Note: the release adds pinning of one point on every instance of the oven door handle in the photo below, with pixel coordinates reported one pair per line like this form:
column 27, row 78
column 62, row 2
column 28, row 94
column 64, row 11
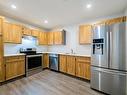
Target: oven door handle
column 34, row 55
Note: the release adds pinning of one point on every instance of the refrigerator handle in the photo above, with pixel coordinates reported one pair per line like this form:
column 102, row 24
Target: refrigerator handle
column 111, row 72
column 108, row 47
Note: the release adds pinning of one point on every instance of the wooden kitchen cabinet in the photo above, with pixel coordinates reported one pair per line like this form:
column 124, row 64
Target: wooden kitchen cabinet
column 45, row 62
column 2, row 66
column 7, row 32
column 1, row 25
column 35, row 33
column 63, row 63
column 16, row 33
column 12, row 33
column 26, row 31
column 85, row 34
column 83, row 67
column 14, row 66
column 71, row 65
column 42, row 38
column 59, row 37
column 50, row 38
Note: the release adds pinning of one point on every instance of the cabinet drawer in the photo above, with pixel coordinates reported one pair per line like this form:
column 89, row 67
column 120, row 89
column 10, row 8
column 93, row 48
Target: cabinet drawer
column 14, row 58
column 83, row 59
column 21, row 57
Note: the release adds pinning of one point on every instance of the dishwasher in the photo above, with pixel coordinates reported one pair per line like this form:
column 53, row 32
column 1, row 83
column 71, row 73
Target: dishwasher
column 54, row 62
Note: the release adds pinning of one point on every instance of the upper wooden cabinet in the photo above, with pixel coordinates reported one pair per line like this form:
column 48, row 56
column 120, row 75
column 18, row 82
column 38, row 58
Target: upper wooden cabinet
column 71, row 66
column 7, row 32
column 56, row 37
column 50, row 38
column 26, row 31
column 85, row 34
column 35, row 33
column 59, row 37
column 17, row 33
column 1, row 25
column 63, row 63
column 42, row 38
column 12, row 33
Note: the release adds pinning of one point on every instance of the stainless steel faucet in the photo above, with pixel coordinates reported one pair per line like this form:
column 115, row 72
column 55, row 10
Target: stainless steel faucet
column 72, row 51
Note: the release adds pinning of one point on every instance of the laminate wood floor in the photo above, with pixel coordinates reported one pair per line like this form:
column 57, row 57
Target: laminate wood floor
column 47, row 83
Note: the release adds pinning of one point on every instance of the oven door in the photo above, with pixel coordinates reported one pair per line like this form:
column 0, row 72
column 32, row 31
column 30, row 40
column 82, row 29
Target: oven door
column 33, row 61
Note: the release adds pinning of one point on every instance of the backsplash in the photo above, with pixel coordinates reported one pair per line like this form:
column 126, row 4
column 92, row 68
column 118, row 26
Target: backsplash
column 27, row 42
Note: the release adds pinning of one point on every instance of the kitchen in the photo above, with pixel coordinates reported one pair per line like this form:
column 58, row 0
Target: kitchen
column 41, row 54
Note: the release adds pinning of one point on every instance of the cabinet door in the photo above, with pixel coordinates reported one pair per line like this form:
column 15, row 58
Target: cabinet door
column 11, row 70
column 27, row 31
column 45, row 62
column 87, row 70
column 21, row 68
column 17, row 33
column 71, row 65
column 7, row 32
column 63, row 63
column 42, row 38
column 50, row 38
column 35, row 33
column 85, row 34
column 80, row 69
column 1, row 24
column 2, row 66
column 58, row 38
column 83, row 67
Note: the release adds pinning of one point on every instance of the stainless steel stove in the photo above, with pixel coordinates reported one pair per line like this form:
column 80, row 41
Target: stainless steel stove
column 33, row 61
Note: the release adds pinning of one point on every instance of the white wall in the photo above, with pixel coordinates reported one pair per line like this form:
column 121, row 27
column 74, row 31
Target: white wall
column 72, row 38
column 14, row 48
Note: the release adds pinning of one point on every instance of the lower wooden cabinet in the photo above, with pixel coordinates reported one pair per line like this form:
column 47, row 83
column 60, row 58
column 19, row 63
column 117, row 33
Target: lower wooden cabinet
column 71, row 65
column 63, row 63
column 83, row 67
column 76, row 66
column 45, row 63
column 15, row 66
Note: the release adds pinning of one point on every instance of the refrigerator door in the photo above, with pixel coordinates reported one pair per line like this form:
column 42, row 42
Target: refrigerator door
column 118, row 46
column 100, row 46
column 109, row 81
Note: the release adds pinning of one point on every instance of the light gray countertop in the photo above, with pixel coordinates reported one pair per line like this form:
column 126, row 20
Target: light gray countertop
column 75, row 54
column 18, row 54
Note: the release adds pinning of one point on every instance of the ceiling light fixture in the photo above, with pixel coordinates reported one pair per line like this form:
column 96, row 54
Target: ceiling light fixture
column 46, row 21
column 13, row 6
column 88, row 6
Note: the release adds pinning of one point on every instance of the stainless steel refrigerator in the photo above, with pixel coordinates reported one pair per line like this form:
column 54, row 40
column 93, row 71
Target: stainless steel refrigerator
column 109, row 66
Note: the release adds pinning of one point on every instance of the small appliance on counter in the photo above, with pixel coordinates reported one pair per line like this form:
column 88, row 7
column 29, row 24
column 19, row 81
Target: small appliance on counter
column 33, row 61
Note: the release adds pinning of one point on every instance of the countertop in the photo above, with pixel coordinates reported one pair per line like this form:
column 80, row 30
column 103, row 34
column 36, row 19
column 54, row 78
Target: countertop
column 75, row 54
column 19, row 54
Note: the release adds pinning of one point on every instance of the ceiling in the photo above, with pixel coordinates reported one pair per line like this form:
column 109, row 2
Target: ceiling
column 59, row 12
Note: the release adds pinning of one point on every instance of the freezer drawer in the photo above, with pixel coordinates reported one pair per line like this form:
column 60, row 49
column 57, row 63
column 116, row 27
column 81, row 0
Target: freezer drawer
column 109, row 81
